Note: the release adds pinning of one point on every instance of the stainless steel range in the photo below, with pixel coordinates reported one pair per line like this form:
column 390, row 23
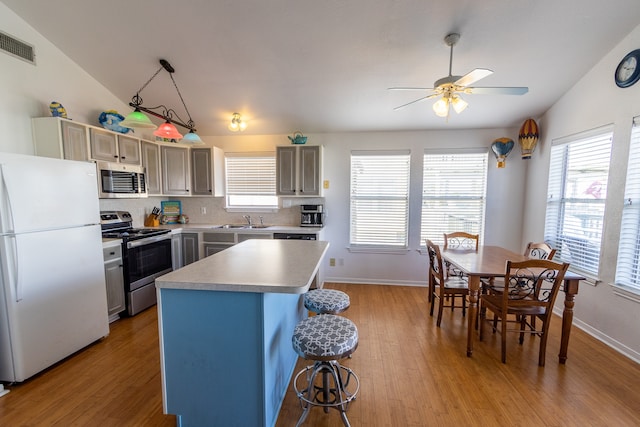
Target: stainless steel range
column 146, row 255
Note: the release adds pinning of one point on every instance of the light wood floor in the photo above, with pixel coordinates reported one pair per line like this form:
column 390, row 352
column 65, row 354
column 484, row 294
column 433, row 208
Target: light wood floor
column 412, row 374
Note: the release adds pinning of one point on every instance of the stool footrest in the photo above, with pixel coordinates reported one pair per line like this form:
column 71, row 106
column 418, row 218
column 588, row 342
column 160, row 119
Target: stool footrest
column 338, row 385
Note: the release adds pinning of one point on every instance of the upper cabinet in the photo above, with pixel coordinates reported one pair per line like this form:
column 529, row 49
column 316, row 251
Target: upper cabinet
column 175, row 171
column 60, row 138
column 111, row 147
column 207, row 172
column 152, row 166
column 299, row 170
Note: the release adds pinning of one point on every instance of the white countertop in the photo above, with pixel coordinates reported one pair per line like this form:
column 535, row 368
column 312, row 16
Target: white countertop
column 177, row 228
column 263, row 266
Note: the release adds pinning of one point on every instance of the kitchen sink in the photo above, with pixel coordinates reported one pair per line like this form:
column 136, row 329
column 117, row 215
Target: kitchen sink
column 243, row 226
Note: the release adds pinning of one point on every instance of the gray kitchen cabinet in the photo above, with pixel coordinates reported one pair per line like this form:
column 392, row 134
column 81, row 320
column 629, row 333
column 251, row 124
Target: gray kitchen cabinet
column 60, row 138
column 217, row 242
column 207, row 172
column 128, row 150
column 299, row 170
column 114, row 280
column 111, row 147
column 189, row 248
column 176, row 252
column 175, row 171
column 152, row 165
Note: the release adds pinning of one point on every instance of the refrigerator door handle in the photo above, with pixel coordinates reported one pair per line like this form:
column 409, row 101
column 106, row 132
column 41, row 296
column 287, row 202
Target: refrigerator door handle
column 12, row 241
column 7, row 210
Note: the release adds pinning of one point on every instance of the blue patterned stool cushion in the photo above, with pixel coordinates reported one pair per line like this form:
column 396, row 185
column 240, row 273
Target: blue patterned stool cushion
column 325, row 337
column 324, row 301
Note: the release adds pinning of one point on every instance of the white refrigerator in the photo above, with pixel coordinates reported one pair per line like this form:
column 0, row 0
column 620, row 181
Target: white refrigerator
column 52, row 287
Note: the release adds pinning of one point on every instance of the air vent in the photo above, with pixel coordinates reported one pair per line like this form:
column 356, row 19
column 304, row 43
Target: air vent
column 17, row 48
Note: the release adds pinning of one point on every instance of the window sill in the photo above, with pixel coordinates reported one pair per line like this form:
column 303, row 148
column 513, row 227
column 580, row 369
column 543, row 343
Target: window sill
column 378, row 250
column 626, row 292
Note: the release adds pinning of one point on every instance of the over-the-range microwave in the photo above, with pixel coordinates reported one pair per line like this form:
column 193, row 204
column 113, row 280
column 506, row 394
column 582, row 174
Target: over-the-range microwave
column 119, row 180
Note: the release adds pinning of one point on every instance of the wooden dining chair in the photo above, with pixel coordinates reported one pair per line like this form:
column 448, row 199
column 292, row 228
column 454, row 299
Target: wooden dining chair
column 529, row 290
column 461, row 240
column 458, row 240
column 539, row 251
column 442, row 287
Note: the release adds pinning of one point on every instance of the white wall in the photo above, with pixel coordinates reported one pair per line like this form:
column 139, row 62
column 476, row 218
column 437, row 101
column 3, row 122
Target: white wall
column 504, row 200
column 594, row 101
column 27, row 90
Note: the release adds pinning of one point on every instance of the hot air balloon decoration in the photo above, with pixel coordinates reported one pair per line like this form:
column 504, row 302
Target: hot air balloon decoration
column 501, row 148
column 528, row 138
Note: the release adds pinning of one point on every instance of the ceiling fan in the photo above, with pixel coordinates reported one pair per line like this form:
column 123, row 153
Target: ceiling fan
column 451, row 87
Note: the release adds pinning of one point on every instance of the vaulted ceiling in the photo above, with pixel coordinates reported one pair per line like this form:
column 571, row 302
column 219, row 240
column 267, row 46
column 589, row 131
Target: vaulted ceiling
column 325, row 66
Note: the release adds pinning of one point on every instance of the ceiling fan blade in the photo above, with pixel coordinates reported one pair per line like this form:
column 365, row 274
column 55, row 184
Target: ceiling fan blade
column 497, row 90
column 417, row 100
column 473, row 76
column 410, row 88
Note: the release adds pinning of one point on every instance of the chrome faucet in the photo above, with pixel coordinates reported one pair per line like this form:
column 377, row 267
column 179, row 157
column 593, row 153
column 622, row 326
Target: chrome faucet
column 248, row 218
column 261, row 220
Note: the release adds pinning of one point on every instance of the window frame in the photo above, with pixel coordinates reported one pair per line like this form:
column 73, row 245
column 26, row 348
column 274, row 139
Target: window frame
column 269, row 174
column 589, row 243
column 436, row 233
column 384, row 244
column 627, row 274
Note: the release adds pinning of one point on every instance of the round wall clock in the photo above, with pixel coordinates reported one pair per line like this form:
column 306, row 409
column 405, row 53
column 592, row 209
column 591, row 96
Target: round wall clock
column 628, row 70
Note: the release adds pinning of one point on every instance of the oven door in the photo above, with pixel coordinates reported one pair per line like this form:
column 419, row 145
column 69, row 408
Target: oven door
column 145, row 260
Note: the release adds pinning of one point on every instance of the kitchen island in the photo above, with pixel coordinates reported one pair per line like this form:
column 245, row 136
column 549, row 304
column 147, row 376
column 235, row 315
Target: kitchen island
column 225, row 325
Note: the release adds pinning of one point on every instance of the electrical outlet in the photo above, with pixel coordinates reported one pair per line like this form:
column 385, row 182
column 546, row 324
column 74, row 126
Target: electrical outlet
column 203, row 210
column 332, row 262
column 325, row 184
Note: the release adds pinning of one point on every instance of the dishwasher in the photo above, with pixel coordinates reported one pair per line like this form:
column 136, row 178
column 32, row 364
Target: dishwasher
column 295, row 236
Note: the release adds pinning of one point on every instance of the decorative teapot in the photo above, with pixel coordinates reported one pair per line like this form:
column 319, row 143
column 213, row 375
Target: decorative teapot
column 298, row 138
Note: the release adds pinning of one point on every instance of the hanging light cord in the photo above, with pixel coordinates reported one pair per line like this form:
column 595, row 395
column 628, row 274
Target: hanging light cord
column 168, row 113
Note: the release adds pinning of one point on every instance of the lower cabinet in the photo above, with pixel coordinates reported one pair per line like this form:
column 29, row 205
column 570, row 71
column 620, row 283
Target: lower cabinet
column 114, row 279
column 190, row 251
column 176, row 252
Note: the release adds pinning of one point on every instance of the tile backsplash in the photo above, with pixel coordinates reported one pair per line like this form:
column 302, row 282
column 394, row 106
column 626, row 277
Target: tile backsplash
column 214, row 207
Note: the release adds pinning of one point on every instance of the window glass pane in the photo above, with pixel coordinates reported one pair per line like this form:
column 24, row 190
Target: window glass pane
column 453, row 194
column 251, row 179
column 628, row 268
column 379, row 199
column 576, row 197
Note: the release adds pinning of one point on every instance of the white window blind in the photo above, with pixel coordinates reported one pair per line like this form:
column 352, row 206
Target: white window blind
column 251, row 179
column 577, row 191
column 628, row 269
column 380, row 198
column 453, row 194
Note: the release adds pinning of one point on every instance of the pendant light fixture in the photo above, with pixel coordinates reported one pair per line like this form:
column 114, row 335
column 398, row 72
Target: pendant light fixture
column 137, row 119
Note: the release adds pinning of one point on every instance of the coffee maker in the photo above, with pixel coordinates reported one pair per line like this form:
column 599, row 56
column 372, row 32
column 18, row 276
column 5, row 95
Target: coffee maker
column 311, row 215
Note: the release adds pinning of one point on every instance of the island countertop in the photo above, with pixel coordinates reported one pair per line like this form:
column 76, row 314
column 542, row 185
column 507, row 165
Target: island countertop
column 265, row 266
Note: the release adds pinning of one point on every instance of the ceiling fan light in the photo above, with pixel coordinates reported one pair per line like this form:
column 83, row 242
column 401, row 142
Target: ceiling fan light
column 459, row 104
column 192, row 138
column 441, row 107
column 168, row 131
column 137, row 119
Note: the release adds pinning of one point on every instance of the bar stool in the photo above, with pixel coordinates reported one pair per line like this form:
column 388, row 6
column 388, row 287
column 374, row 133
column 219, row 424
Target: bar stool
column 326, row 301
column 325, row 340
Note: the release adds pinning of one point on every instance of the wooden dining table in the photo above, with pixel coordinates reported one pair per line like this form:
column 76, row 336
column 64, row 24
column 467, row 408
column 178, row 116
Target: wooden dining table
column 490, row 261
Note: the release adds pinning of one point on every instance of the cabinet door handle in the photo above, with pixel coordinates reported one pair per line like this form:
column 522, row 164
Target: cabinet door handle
column 115, row 157
column 123, row 157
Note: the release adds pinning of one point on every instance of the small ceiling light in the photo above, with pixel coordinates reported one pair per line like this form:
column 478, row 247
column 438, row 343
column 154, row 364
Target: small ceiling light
column 137, row 119
column 441, row 107
column 458, row 103
column 236, row 123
